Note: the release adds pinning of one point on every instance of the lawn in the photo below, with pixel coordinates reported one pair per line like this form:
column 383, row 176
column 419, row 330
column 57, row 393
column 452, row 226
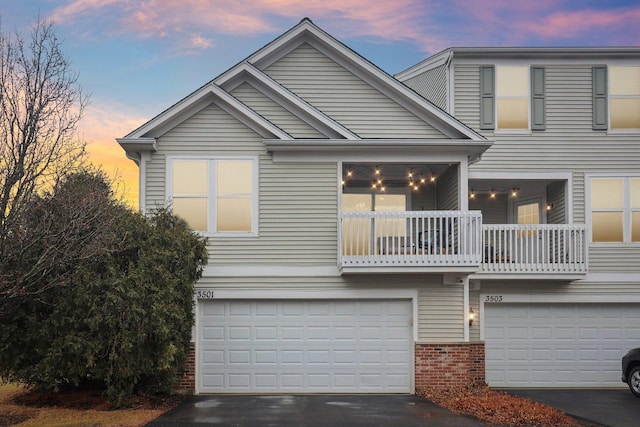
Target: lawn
column 21, row 408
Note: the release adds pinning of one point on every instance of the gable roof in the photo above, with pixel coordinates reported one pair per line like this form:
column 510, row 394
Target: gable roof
column 250, row 70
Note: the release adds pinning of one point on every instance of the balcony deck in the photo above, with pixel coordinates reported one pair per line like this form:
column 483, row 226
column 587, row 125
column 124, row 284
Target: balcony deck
column 458, row 242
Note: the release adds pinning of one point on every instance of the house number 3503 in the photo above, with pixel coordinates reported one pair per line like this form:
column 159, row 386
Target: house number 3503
column 493, row 298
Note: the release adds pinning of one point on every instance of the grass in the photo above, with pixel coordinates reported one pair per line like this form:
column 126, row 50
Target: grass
column 90, row 409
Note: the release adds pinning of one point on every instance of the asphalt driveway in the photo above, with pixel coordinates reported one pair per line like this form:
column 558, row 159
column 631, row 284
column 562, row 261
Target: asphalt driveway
column 615, row 408
column 312, row 411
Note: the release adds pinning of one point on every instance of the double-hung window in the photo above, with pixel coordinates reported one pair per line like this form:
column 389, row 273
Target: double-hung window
column 215, row 195
column 615, row 209
column 512, row 98
column 624, row 97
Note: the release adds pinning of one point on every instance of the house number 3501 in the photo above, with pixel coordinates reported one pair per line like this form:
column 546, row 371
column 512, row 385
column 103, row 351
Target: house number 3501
column 493, row 298
column 204, row 294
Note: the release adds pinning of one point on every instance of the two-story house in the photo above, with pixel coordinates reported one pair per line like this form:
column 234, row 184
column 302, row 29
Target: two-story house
column 369, row 235
column 559, row 192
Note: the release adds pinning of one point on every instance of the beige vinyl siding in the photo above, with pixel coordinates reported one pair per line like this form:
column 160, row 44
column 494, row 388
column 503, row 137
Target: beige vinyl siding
column 211, row 131
column 447, row 189
column 274, row 112
column 346, row 98
column 474, row 304
column 440, row 312
column 297, row 203
column 493, row 211
column 556, row 196
column 298, row 218
column 440, row 308
column 432, row 84
column 558, row 288
column 568, row 144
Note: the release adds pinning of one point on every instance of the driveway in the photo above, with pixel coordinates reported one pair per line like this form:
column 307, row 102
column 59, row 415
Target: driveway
column 615, row 408
column 311, row 411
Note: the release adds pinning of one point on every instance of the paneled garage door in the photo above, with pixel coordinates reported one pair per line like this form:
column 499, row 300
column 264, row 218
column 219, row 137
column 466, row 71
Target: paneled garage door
column 268, row 346
column 558, row 345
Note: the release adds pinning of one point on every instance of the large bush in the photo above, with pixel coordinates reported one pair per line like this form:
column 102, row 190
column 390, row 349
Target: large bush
column 114, row 308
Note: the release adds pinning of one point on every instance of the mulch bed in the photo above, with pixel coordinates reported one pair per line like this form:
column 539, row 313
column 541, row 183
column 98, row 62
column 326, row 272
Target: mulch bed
column 91, row 398
column 499, row 408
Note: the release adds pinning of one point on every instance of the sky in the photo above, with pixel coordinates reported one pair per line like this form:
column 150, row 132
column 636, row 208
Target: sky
column 138, row 57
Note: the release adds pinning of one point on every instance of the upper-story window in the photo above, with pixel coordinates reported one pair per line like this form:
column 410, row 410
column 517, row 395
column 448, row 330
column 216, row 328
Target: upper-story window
column 624, row 97
column 615, row 209
column 512, row 97
column 216, row 195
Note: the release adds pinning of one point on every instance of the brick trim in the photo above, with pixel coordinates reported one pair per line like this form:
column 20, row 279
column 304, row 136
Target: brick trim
column 188, row 379
column 448, row 365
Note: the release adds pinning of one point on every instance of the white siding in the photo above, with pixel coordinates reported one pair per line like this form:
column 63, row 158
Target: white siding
column 346, row 98
column 274, row 112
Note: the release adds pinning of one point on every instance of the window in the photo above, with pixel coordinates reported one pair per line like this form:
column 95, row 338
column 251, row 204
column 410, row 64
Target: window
column 615, row 209
column 516, row 95
column 512, row 97
column 624, row 97
column 215, row 195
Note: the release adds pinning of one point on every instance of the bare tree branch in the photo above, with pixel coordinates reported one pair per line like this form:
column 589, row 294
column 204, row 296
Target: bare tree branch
column 41, row 103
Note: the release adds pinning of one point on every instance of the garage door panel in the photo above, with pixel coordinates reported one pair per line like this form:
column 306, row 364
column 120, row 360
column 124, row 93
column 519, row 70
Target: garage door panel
column 557, row 345
column 305, row 346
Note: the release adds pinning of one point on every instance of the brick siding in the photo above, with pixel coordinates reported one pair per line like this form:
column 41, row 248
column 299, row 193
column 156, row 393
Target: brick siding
column 448, row 365
column 188, row 380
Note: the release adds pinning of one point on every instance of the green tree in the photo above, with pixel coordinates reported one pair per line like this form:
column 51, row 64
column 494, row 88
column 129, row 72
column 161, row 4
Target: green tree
column 124, row 317
column 41, row 104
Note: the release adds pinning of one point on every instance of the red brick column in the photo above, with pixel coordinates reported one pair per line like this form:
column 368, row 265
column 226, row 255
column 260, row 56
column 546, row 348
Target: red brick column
column 188, row 380
column 448, row 365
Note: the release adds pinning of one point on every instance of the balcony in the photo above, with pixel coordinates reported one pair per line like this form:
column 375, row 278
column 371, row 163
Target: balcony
column 444, row 241
column 535, row 249
column 458, row 242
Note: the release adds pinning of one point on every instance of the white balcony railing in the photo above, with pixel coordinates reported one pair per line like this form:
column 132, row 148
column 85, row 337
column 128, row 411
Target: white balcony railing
column 540, row 248
column 458, row 240
column 415, row 238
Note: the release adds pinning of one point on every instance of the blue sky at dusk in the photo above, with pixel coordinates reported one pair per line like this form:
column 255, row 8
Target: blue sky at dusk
column 138, row 57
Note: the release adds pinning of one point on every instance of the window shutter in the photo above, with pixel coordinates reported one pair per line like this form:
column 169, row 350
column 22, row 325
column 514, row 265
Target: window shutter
column 487, row 97
column 599, row 97
column 538, row 120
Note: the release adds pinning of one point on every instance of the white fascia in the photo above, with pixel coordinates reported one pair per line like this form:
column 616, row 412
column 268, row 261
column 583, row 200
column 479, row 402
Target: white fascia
column 315, row 116
column 364, row 69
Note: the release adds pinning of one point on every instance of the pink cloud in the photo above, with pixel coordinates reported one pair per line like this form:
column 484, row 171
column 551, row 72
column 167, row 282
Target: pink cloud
column 563, row 25
column 190, row 19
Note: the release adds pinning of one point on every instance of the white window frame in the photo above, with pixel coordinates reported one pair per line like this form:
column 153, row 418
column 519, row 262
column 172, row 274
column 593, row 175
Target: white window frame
column 498, row 130
column 626, row 208
column 212, row 194
column 610, row 97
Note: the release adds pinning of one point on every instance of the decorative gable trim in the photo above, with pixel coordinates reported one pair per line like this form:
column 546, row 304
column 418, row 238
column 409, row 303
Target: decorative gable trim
column 200, row 99
column 246, row 72
column 307, row 32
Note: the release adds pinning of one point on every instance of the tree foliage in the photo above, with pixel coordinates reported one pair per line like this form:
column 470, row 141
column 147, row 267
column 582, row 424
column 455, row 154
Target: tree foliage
column 114, row 289
column 41, row 104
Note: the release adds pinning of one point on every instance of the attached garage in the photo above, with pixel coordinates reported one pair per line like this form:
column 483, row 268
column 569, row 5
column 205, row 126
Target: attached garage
column 558, row 345
column 296, row 346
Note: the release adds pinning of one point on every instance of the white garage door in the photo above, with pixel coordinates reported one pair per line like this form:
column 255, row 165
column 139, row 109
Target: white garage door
column 558, row 345
column 305, row 346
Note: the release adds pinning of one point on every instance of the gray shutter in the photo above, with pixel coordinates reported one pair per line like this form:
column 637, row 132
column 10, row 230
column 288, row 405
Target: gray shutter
column 538, row 120
column 487, row 97
column 599, row 97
